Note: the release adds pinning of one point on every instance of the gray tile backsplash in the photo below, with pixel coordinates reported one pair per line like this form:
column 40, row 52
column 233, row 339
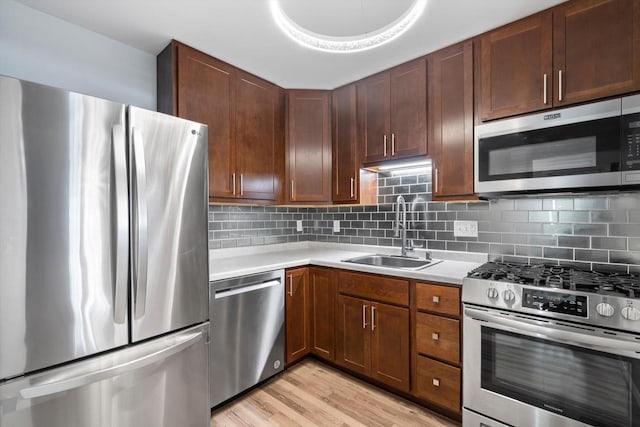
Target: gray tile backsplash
column 600, row 232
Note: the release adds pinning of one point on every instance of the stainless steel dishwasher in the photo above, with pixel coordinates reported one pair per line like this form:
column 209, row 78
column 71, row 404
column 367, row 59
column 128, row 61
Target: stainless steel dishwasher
column 246, row 333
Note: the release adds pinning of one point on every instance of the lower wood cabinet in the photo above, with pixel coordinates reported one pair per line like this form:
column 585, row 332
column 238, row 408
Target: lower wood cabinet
column 322, row 311
column 438, row 383
column 373, row 337
column 296, row 307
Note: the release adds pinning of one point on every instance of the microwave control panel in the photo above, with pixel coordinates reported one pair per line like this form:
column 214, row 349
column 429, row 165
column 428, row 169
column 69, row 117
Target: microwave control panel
column 631, row 142
column 575, row 305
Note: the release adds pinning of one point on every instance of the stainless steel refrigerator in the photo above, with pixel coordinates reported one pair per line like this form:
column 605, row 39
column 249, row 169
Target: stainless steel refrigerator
column 103, row 263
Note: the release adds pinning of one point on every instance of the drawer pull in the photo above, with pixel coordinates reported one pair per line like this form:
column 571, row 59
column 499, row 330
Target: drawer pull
column 436, row 382
column 435, row 336
column 436, row 299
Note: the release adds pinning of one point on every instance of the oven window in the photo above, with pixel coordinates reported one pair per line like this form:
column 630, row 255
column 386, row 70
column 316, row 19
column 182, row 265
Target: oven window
column 575, row 149
column 588, row 386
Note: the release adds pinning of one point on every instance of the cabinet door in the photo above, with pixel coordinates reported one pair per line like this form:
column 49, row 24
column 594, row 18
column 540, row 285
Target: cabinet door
column 515, row 60
column 408, row 109
column 296, row 314
column 353, row 349
column 309, row 146
column 596, row 49
column 256, row 137
column 345, row 145
column 390, row 345
column 323, row 289
column 451, row 120
column 373, row 117
column 204, row 88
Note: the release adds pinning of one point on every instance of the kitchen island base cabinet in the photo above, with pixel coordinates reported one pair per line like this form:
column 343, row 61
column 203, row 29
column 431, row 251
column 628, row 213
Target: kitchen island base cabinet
column 296, row 308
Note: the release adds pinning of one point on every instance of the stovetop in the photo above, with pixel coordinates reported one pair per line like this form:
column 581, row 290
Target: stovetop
column 558, row 277
column 590, row 297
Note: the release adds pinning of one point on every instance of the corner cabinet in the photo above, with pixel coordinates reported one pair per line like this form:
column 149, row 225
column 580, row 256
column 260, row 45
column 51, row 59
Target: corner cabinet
column 244, row 115
column 579, row 51
column 322, row 311
column 296, row 307
column 373, row 328
column 392, row 113
column 451, row 121
column 309, row 146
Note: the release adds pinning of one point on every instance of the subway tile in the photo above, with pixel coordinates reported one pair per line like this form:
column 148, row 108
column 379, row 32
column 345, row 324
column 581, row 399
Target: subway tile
column 543, row 240
column 591, row 255
column 499, row 226
column 573, row 241
column 436, row 244
column 502, row 205
column 590, row 203
column 527, row 227
column 590, row 229
column 448, row 215
column 557, row 229
column 529, row 251
column 610, row 268
column 456, row 246
column 575, row 264
column 478, row 247
column 515, row 216
column 543, row 216
column 528, row 204
column 478, row 206
column 628, row 201
column 609, row 216
column 560, row 253
column 609, row 243
column 436, row 206
column 515, row 259
column 520, row 239
column 436, row 225
column 634, row 216
column 634, row 244
column 456, row 206
column 409, row 179
column 445, row 235
column 627, row 230
column 479, row 215
column 573, row 216
column 624, row 257
column 490, row 237
column 502, row 249
column 557, row 204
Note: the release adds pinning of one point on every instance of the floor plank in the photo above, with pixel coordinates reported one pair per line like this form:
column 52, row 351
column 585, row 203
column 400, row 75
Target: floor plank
column 313, row 394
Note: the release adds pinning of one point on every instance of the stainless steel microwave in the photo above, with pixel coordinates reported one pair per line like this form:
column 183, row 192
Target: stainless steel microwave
column 589, row 147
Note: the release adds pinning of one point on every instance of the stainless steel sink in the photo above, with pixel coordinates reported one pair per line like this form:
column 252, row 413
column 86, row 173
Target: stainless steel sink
column 393, row 261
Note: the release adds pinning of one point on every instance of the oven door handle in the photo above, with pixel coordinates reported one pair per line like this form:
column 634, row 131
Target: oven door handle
column 542, row 329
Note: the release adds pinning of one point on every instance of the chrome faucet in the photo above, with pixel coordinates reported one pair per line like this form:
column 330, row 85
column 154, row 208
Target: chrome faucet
column 401, row 225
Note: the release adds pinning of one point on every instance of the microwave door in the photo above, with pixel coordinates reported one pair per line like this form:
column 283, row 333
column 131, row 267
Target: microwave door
column 630, row 140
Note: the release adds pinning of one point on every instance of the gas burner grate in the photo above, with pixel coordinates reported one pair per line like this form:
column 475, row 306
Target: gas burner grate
column 559, row 277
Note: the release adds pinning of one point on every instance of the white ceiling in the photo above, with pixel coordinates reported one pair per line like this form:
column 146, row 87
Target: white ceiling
column 243, row 33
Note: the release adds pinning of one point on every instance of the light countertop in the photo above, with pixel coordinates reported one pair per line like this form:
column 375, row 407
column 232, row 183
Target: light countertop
column 236, row 262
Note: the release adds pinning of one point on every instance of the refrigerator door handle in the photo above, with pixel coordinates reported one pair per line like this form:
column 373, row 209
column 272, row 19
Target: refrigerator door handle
column 76, row 381
column 140, row 258
column 119, row 148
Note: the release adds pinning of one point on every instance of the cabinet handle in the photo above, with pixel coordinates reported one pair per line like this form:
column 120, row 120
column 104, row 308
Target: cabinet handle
column 435, row 190
column 559, row 85
column 435, row 382
column 233, row 183
column 384, row 140
column 291, row 285
column 544, row 89
column 352, row 187
column 393, row 144
column 435, row 336
column 436, row 299
column 292, row 189
column 364, row 316
column 241, row 184
column 373, row 318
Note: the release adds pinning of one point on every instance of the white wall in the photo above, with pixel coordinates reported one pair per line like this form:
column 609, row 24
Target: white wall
column 41, row 48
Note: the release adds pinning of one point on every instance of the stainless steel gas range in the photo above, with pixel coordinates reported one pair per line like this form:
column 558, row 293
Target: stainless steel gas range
column 550, row 346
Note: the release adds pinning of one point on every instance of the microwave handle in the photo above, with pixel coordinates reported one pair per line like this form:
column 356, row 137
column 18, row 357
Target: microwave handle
column 542, row 329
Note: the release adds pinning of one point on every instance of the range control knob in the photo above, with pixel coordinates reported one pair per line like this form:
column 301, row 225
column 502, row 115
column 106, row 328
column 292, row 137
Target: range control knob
column 492, row 293
column 605, row 309
column 631, row 313
column 508, row 295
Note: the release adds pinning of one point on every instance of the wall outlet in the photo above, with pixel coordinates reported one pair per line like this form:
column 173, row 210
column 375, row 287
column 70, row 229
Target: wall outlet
column 336, row 226
column 465, row 228
column 299, row 225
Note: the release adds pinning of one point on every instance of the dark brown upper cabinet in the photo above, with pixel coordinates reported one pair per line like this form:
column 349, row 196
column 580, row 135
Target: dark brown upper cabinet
column 596, row 49
column 244, row 115
column 309, row 146
column 579, row 51
column 451, row 121
column 392, row 113
column 346, row 161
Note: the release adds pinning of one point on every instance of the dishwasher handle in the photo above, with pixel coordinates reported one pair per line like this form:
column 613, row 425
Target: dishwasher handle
column 224, row 293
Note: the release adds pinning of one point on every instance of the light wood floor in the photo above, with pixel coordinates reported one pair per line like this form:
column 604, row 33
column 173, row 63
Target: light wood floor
column 313, row 394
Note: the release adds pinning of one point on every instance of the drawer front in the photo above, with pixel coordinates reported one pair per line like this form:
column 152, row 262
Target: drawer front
column 438, row 337
column 439, row 299
column 438, row 383
column 376, row 288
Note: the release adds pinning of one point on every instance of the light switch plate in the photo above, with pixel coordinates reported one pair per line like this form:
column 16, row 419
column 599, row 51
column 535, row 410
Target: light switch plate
column 336, row 226
column 299, row 225
column 465, row 228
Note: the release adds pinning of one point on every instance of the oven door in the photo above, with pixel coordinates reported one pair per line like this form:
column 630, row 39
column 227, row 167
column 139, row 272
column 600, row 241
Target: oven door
column 527, row 371
column 577, row 147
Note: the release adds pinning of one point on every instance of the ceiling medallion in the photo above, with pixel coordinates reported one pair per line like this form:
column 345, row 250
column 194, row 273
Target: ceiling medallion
column 347, row 44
